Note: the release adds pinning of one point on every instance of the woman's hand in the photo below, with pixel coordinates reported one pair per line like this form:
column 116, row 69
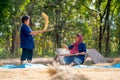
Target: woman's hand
column 64, row 46
column 41, row 31
column 34, row 33
column 76, row 54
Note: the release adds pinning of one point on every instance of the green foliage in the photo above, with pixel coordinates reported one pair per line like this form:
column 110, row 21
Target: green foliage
column 67, row 17
column 4, row 11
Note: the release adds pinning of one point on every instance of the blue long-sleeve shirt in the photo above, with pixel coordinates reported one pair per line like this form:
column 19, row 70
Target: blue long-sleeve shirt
column 81, row 48
column 26, row 40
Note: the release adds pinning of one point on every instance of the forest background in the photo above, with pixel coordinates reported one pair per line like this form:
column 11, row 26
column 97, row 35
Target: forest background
column 97, row 20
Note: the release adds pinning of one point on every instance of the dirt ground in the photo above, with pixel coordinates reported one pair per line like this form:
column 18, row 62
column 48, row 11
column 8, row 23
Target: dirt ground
column 42, row 73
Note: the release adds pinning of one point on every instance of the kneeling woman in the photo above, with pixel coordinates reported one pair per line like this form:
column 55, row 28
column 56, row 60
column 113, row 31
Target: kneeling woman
column 77, row 51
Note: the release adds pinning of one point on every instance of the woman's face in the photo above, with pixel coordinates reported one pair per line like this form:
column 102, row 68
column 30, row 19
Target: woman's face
column 77, row 39
column 27, row 22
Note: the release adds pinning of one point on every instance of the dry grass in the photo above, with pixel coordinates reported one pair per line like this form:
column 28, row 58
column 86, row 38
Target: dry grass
column 59, row 72
column 102, row 64
column 115, row 61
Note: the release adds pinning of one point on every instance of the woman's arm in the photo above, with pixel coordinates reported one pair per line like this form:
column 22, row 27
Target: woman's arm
column 34, row 33
column 82, row 49
column 82, row 53
column 64, row 46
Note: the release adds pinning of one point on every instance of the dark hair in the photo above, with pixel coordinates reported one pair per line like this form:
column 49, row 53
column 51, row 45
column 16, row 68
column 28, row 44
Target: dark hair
column 78, row 35
column 25, row 18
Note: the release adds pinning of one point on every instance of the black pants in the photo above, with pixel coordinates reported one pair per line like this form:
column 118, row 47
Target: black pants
column 26, row 54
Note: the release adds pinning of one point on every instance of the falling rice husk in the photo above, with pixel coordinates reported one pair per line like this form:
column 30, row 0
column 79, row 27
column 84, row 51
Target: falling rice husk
column 46, row 20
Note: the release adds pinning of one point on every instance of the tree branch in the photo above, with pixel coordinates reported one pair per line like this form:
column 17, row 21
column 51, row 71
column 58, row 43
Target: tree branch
column 88, row 8
column 107, row 15
column 113, row 11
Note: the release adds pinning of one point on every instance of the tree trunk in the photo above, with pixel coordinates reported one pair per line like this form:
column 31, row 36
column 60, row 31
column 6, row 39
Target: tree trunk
column 58, row 36
column 105, row 27
column 100, row 39
column 108, row 40
column 108, row 29
column 58, row 26
column 119, row 41
column 30, row 11
column 100, row 27
column 14, row 41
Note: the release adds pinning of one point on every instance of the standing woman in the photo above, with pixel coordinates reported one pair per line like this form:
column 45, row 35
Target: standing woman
column 27, row 40
column 77, row 51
